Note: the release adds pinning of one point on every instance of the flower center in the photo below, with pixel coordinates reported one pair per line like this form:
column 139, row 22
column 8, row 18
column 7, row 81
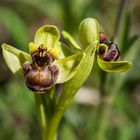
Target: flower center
column 108, row 50
column 41, row 57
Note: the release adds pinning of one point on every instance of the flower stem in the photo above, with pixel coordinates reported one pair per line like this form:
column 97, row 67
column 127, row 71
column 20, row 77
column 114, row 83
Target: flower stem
column 53, row 125
column 46, row 105
column 42, row 117
column 102, row 120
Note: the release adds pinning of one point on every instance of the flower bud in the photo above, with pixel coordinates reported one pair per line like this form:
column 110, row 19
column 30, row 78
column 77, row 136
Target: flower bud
column 88, row 31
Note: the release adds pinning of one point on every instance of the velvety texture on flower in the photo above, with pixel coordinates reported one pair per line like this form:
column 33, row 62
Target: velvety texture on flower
column 48, row 62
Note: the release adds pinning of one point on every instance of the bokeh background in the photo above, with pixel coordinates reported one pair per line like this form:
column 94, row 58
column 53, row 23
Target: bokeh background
column 108, row 106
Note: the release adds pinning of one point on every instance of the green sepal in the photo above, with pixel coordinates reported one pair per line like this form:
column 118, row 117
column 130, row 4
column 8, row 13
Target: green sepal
column 48, row 35
column 82, row 73
column 63, row 50
column 68, row 67
column 115, row 66
column 14, row 58
column 88, row 31
column 70, row 40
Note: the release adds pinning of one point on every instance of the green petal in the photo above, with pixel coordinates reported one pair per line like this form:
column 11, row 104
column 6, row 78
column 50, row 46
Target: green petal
column 64, row 50
column 14, row 58
column 70, row 40
column 115, row 66
column 32, row 47
column 68, row 67
column 48, row 35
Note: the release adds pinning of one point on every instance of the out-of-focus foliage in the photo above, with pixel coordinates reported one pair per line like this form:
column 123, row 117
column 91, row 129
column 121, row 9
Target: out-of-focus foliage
column 119, row 120
column 18, row 118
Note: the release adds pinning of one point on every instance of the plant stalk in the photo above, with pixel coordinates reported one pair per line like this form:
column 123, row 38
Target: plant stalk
column 42, row 117
column 53, row 125
column 46, row 104
column 102, row 115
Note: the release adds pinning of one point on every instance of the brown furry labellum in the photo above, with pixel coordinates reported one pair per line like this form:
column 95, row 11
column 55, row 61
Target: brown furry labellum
column 41, row 74
column 109, row 53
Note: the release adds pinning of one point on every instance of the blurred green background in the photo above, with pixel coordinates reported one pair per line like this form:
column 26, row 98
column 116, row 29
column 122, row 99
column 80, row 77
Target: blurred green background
column 108, row 107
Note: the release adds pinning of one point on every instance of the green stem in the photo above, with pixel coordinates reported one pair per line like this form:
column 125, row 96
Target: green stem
column 53, row 125
column 42, row 117
column 102, row 117
column 104, row 108
column 46, row 104
column 103, row 111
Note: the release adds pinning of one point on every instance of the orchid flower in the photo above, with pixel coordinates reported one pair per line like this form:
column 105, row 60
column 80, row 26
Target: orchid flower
column 48, row 62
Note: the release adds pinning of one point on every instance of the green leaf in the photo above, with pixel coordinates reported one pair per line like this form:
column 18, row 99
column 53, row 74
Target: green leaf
column 70, row 40
column 132, row 40
column 115, row 66
column 48, row 35
column 82, row 73
column 17, row 28
column 68, row 67
column 14, row 58
column 124, row 32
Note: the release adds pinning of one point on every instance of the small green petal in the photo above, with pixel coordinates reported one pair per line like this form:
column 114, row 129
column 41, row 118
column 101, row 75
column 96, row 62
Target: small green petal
column 115, row 66
column 48, row 35
column 14, row 58
column 68, row 67
column 70, row 40
column 103, row 47
column 32, row 47
column 64, row 50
